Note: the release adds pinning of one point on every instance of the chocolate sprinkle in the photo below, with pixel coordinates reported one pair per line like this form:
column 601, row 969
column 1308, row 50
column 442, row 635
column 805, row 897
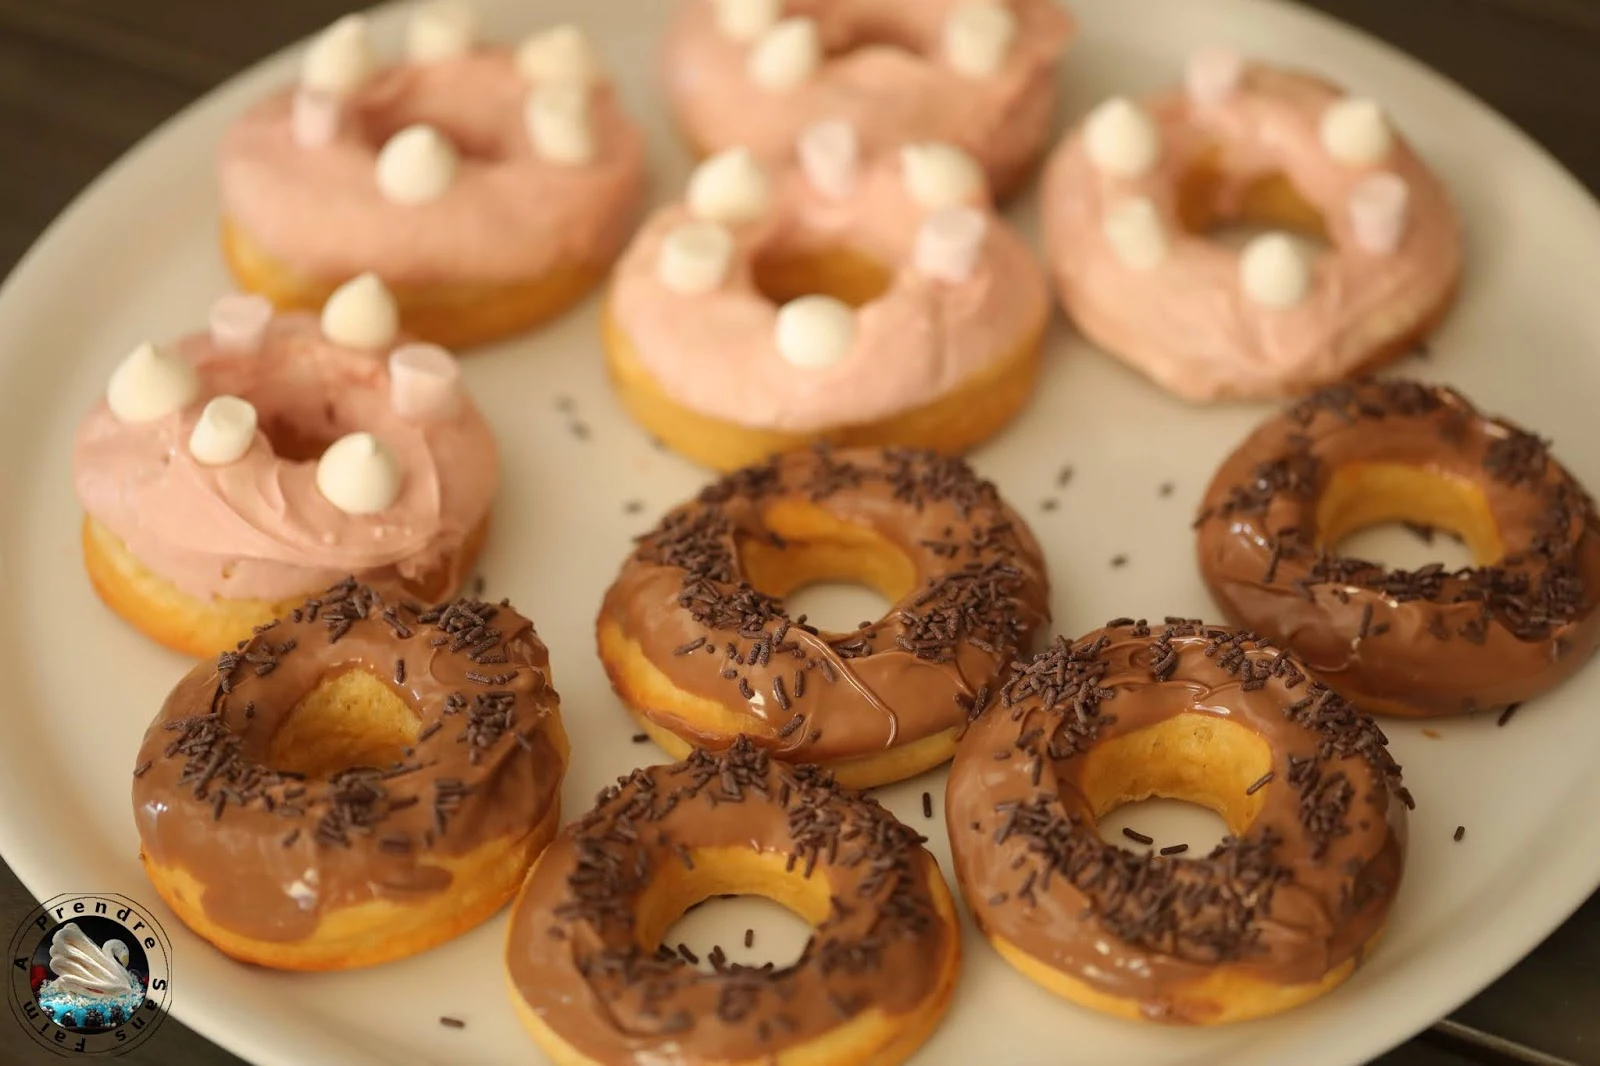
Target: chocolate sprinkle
column 1174, row 849
column 1505, row 715
column 451, row 1023
column 1460, row 832
column 1259, row 784
column 927, row 805
column 1136, row 836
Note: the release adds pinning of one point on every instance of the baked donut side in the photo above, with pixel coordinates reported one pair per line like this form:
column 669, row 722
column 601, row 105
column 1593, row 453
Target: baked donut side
column 1279, row 913
column 696, row 640
column 357, row 782
column 591, row 984
column 1420, row 642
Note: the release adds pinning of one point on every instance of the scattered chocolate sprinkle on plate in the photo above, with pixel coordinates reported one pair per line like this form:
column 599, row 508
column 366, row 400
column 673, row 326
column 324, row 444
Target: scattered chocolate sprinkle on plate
column 641, row 738
column 1460, row 832
column 451, row 1023
column 633, row 507
column 1063, row 477
column 1048, row 504
column 1166, row 489
column 927, row 805
column 1119, row 560
column 1505, row 715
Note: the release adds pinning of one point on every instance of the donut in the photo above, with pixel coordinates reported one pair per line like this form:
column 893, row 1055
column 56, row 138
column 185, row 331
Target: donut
column 591, row 985
column 356, row 782
column 228, row 475
column 860, row 300
column 1280, row 912
column 980, row 75
column 1133, row 193
column 1421, row 642
column 490, row 188
column 696, row 640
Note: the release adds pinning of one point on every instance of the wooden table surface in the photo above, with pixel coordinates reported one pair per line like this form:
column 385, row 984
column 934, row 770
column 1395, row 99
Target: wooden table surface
column 82, row 80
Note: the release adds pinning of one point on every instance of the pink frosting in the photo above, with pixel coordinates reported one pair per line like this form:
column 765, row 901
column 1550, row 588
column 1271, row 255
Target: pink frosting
column 1186, row 321
column 509, row 216
column 886, row 75
column 258, row 528
column 716, row 352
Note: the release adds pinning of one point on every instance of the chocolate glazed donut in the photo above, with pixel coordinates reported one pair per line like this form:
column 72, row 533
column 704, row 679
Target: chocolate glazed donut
column 355, row 783
column 1279, row 913
column 1418, row 642
column 696, row 640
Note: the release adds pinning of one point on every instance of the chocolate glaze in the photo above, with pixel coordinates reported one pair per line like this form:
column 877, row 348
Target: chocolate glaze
column 574, row 955
column 1297, row 893
column 979, row 596
column 274, row 851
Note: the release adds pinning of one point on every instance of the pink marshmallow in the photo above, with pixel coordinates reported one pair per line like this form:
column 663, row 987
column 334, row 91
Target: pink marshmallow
column 424, row 381
column 948, row 243
column 1213, row 74
column 315, row 118
column 238, row 322
column 1377, row 208
column 830, row 153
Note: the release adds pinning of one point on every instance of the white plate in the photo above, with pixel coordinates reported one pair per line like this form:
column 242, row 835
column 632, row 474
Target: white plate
column 136, row 257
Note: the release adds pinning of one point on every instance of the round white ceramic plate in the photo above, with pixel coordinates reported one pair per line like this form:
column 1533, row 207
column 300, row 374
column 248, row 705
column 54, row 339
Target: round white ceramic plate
column 136, row 257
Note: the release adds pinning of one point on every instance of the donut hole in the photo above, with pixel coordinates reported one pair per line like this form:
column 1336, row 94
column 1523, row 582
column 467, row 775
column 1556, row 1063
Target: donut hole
column 787, row 904
column 298, row 433
column 784, row 274
column 1193, row 758
column 872, row 32
column 821, row 551
column 1213, row 205
column 1378, row 501
column 350, row 719
column 379, row 122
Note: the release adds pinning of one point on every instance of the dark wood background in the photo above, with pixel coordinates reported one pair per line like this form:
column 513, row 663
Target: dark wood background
column 82, row 80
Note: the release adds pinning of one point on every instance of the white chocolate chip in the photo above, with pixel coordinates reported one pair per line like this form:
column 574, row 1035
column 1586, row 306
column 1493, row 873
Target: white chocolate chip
column 1274, row 272
column 314, row 118
column 557, row 115
column 785, row 56
column 949, row 242
column 830, row 154
column 1355, row 132
column 745, row 20
column 238, row 322
column 440, row 31
column 977, row 36
column 561, row 55
column 1213, row 75
column 1121, row 138
column 225, row 431
column 1379, row 205
column 149, row 384
column 815, row 331
column 339, row 59
column 359, row 474
column 361, row 313
column 424, row 381
column 1135, row 232
column 939, row 175
column 694, row 257
column 731, row 186
column 416, row 166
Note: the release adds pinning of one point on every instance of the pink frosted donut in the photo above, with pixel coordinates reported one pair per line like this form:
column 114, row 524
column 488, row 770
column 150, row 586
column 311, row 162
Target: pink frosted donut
column 979, row 74
column 256, row 463
column 873, row 300
column 488, row 187
column 1130, row 194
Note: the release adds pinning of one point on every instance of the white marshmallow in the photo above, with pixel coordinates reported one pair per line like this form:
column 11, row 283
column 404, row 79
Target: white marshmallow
column 815, row 331
column 1274, row 272
column 694, row 257
column 225, row 431
column 949, row 242
column 1378, row 206
column 731, row 186
column 1121, row 138
column 1355, row 132
column 786, row 55
column 1213, row 75
column 441, row 31
column 238, row 321
column 561, row 55
column 977, row 36
column 745, row 20
column 339, row 59
column 557, row 116
column 939, row 175
column 359, row 474
column 149, row 384
column 1135, row 232
column 314, row 118
column 361, row 313
column 416, row 166
column 830, row 154
column 424, row 381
